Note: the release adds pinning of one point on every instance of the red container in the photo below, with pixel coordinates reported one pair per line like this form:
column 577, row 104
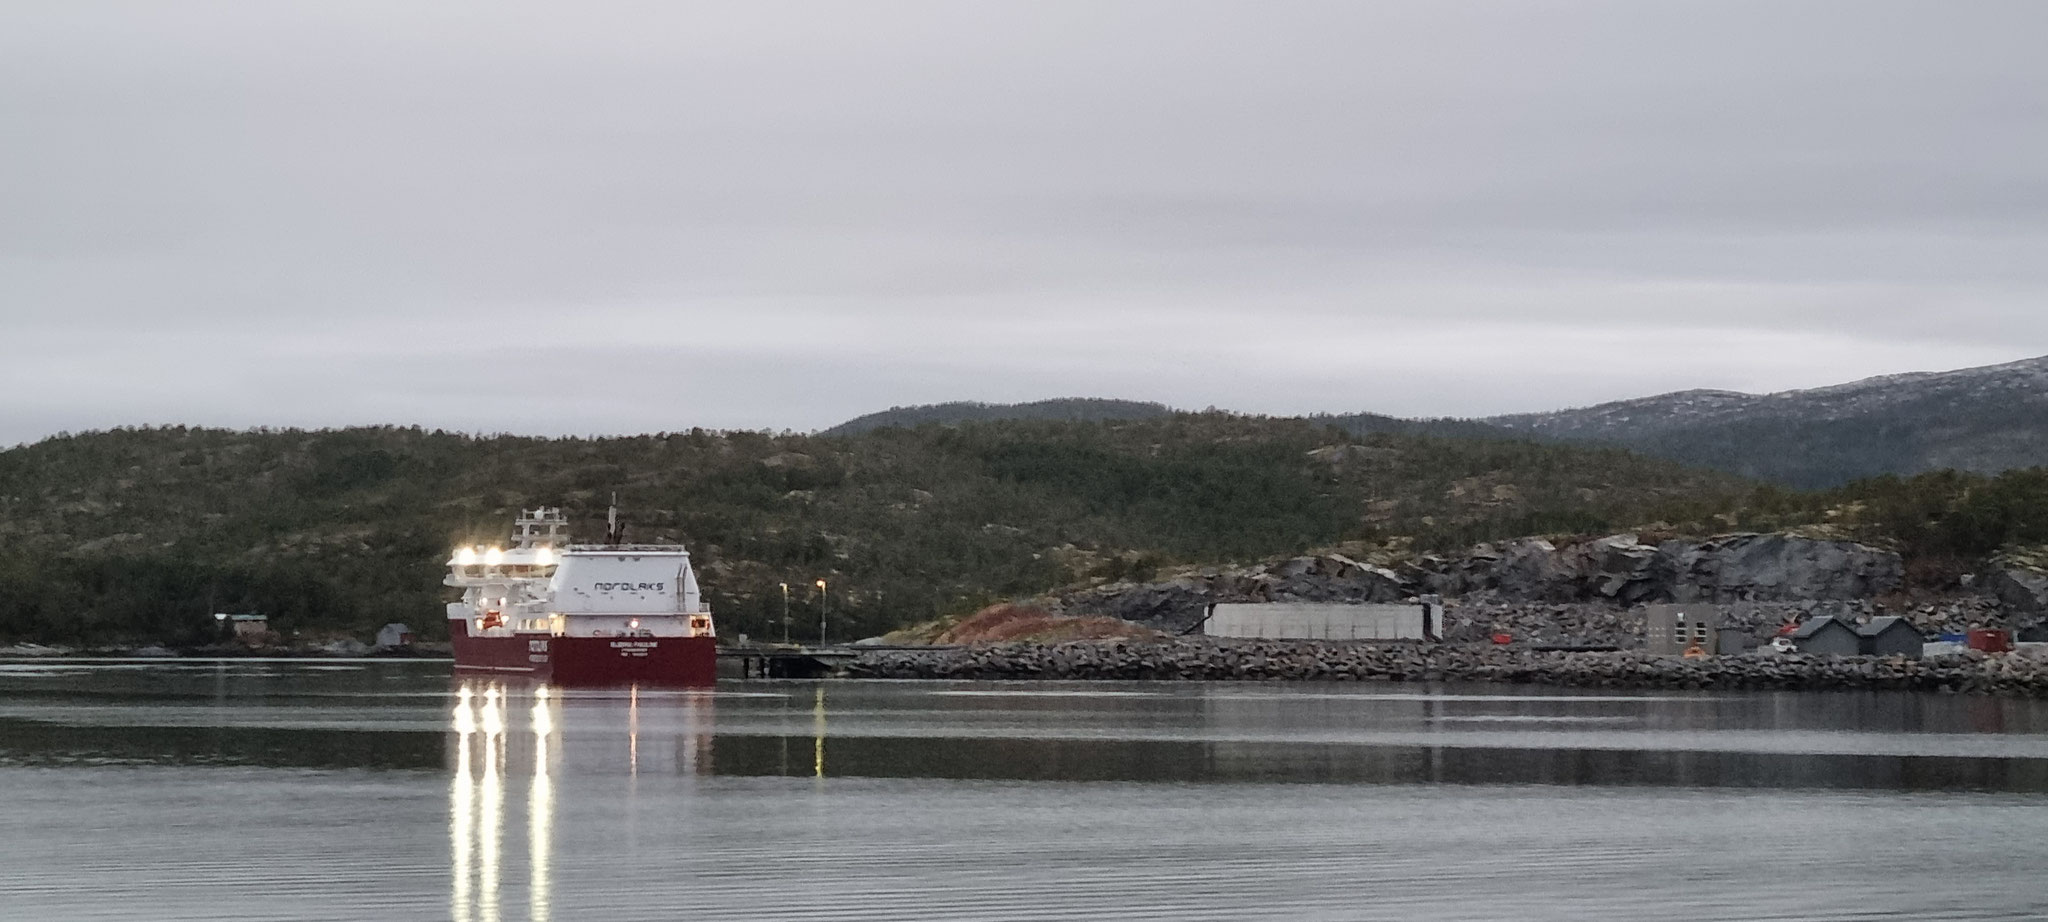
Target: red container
column 1990, row 641
column 1503, row 638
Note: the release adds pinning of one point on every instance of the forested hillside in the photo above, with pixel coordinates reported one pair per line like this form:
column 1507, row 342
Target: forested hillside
column 140, row 533
column 1066, row 409
column 1097, row 409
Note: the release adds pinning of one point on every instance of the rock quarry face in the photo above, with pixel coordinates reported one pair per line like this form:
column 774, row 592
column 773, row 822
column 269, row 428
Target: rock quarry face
column 1622, row 569
column 1616, row 570
column 1771, row 568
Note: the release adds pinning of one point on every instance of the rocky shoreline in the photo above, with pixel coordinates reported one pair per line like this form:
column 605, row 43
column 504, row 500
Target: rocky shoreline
column 1290, row 660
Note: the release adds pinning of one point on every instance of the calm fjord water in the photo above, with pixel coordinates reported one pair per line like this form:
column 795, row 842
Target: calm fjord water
column 386, row 790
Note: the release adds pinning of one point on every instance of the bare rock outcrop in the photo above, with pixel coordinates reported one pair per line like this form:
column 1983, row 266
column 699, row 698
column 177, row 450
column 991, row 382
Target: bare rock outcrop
column 1624, row 570
column 1617, row 570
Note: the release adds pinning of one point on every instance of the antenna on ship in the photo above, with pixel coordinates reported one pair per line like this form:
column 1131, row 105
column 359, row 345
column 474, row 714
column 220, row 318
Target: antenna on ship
column 613, row 534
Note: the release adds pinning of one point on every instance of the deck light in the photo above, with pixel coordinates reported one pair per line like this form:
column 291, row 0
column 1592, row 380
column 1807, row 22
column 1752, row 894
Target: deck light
column 465, row 556
column 494, row 557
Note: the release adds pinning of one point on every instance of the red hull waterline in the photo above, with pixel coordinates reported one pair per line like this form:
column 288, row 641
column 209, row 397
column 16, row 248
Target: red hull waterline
column 676, row 662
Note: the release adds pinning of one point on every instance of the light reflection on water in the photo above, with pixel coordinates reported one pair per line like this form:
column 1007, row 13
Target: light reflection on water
column 476, row 802
column 540, row 812
column 462, row 810
column 481, row 735
column 392, row 792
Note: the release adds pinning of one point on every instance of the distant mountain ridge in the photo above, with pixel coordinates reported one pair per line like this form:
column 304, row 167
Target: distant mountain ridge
column 2026, row 380
column 1985, row 419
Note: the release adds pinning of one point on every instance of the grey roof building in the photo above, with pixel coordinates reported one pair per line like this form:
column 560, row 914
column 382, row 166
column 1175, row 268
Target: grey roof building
column 1827, row 634
column 1891, row 636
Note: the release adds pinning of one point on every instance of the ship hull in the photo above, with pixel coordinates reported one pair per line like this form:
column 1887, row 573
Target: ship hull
column 681, row 662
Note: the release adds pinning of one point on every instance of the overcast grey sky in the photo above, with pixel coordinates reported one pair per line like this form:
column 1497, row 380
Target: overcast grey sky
column 619, row 217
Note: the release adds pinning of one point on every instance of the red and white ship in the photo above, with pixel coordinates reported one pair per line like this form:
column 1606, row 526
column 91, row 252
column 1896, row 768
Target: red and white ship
column 580, row 614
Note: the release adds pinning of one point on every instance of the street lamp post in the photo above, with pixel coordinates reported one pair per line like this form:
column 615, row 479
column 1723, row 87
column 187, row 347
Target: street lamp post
column 822, row 599
column 785, row 614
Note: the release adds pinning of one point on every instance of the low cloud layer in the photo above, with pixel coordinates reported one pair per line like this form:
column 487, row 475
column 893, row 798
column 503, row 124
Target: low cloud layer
column 616, row 217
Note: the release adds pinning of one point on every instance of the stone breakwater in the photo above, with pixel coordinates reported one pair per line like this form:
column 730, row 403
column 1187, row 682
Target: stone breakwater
column 1269, row 660
column 1587, row 624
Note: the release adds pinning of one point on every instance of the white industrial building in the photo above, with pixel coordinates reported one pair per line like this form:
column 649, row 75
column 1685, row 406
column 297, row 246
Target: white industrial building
column 1325, row 620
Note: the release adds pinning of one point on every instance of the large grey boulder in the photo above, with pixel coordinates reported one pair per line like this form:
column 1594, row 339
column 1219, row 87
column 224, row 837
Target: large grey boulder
column 1620, row 568
column 2023, row 589
column 1533, row 569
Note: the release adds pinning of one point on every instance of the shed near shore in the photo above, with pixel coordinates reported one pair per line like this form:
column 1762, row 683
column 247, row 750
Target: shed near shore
column 1828, row 634
column 1891, row 636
